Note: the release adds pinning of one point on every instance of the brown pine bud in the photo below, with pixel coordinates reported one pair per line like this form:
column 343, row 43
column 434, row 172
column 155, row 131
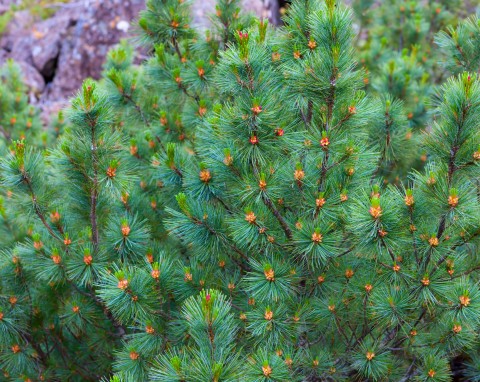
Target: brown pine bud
column 370, row 355
column 269, row 274
column 409, row 201
column 256, row 109
column 464, row 300
column 111, row 172
column 453, row 201
column 317, row 237
column 134, row 355
column 299, row 175
column 55, row 217
column 205, row 176
column 456, row 329
column 16, row 349
column 268, row 314
column 122, row 284
column 250, row 217
column 267, row 370
column 324, row 142
column 375, row 211
column 262, row 184
column 125, row 229
column 425, row 281
column 433, row 241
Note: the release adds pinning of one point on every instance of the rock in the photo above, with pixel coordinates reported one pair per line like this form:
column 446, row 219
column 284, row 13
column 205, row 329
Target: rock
column 57, row 54
column 32, row 78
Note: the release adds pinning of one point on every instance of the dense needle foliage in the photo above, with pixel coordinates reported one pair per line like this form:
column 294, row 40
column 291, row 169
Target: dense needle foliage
column 248, row 205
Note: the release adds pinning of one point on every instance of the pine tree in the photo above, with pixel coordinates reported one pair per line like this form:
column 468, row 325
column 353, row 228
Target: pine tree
column 220, row 213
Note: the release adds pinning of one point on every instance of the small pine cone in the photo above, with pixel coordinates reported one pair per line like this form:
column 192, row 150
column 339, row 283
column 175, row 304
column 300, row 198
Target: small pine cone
column 375, row 212
column 267, row 370
column 16, row 349
column 268, row 314
column 433, row 241
column 425, row 281
column 254, row 140
column 257, row 109
column 409, row 201
column 269, row 274
column 125, row 230
column 111, row 172
column 122, row 284
column 87, row 259
column 456, row 329
column 228, row 160
column 250, row 217
column 56, row 259
column 205, row 176
column 149, row 329
column 275, row 56
column 134, row 355
column 324, row 142
column 299, row 175
column 370, row 355
column 317, row 237
column 464, row 300
column 453, row 201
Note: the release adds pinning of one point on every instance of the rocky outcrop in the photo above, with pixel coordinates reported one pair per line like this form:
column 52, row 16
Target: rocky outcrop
column 57, row 54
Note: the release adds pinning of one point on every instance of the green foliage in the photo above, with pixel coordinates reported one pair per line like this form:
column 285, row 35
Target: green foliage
column 242, row 206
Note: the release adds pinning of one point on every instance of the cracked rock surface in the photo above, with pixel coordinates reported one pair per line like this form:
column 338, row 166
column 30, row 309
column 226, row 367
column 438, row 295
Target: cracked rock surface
column 58, row 53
